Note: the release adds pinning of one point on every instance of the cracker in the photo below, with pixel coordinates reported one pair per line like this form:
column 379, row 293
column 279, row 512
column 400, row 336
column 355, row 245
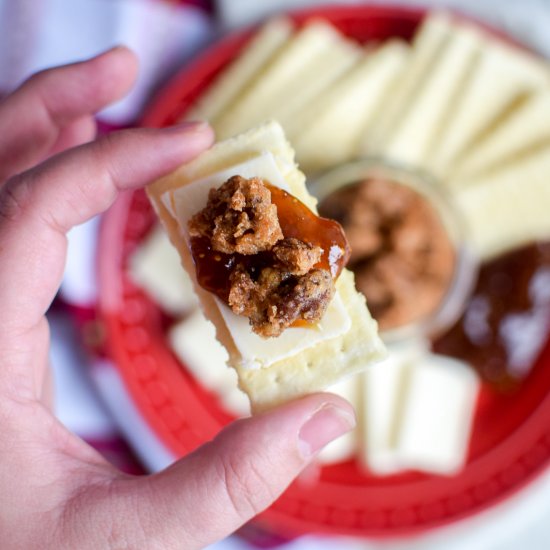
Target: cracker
column 418, row 131
column 244, row 70
column 331, row 128
column 314, row 368
column 307, row 47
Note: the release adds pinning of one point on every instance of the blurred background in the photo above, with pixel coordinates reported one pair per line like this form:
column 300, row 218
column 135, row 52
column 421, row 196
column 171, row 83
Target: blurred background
column 91, row 397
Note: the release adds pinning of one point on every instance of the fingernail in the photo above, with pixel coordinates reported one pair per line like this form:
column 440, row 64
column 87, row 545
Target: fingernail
column 324, row 426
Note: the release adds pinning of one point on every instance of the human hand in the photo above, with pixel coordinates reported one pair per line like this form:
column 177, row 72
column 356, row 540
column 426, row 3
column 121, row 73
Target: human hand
column 55, row 490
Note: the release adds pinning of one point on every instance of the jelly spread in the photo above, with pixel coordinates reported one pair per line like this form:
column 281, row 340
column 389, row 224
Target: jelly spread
column 266, row 254
column 506, row 323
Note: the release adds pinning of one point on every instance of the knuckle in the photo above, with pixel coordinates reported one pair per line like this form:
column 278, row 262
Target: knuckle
column 248, row 491
column 14, row 198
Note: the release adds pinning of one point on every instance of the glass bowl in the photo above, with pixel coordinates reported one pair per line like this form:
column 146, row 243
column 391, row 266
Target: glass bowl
column 465, row 266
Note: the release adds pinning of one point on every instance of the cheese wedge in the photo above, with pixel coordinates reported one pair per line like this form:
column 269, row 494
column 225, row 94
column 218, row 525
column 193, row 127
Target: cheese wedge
column 420, row 128
column 155, row 267
column 248, row 65
column 331, row 129
column 256, row 104
column 508, row 207
column 437, row 415
column 524, row 130
column 194, row 342
column 500, row 80
column 427, row 45
column 318, row 359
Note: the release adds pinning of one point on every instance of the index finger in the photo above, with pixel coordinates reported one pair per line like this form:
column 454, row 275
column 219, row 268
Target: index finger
column 33, row 117
column 38, row 207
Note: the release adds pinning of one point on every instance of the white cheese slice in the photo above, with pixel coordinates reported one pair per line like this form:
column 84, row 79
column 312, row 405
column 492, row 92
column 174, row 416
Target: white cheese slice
column 384, row 388
column 331, row 129
column 256, row 352
column 420, row 128
column 281, row 76
column 244, row 70
column 319, row 77
column 508, row 207
column 155, row 266
column 523, row 130
column 186, row 201
column 194, row 342
column 437, row 415
column 483, row 105
column 427, row 46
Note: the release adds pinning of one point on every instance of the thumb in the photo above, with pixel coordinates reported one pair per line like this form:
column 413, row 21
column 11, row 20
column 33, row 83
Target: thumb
column 225, row 483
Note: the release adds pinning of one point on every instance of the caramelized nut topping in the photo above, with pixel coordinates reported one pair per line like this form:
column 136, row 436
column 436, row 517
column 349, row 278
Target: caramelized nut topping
column 266, row 255
column 239, row 217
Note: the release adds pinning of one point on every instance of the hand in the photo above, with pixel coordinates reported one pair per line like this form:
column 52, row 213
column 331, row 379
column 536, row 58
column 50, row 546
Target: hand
column 56, row 491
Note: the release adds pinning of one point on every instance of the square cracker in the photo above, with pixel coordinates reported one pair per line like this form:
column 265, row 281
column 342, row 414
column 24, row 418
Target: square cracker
column 314, row 368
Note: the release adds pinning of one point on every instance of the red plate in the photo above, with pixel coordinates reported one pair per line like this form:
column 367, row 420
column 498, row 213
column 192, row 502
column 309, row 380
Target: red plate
column 511, row 438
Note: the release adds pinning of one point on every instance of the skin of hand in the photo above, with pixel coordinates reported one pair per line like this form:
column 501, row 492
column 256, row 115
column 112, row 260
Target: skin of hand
column 55, row 490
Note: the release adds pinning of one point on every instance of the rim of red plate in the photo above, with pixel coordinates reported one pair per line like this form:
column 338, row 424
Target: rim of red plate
column 183, row 415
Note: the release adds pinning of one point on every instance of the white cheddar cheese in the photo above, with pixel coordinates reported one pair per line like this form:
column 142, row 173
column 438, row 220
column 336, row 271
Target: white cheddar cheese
column 194, row 342
column 258, row 352
column 527, row 128
column 319, row 77
column 337, row 120
column 437, row 415
column 255, row 351
column 283, row 74
column 508, row 207
column 384, row 388
column 426, row 48
column 421, row 126
column 243, row 71
column 155, row 267
column 501, row 78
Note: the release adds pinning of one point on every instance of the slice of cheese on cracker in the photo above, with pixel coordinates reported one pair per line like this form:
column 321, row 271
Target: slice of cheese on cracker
column 301, row 360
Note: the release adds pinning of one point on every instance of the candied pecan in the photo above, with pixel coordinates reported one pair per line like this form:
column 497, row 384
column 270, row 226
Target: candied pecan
column 278, row 299
column 402, row 255
column 295, row 256
column 239, row 217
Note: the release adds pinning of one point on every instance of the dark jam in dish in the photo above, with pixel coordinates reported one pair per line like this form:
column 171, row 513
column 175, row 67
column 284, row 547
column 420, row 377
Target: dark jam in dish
column 506, row 322
column 296, row 220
